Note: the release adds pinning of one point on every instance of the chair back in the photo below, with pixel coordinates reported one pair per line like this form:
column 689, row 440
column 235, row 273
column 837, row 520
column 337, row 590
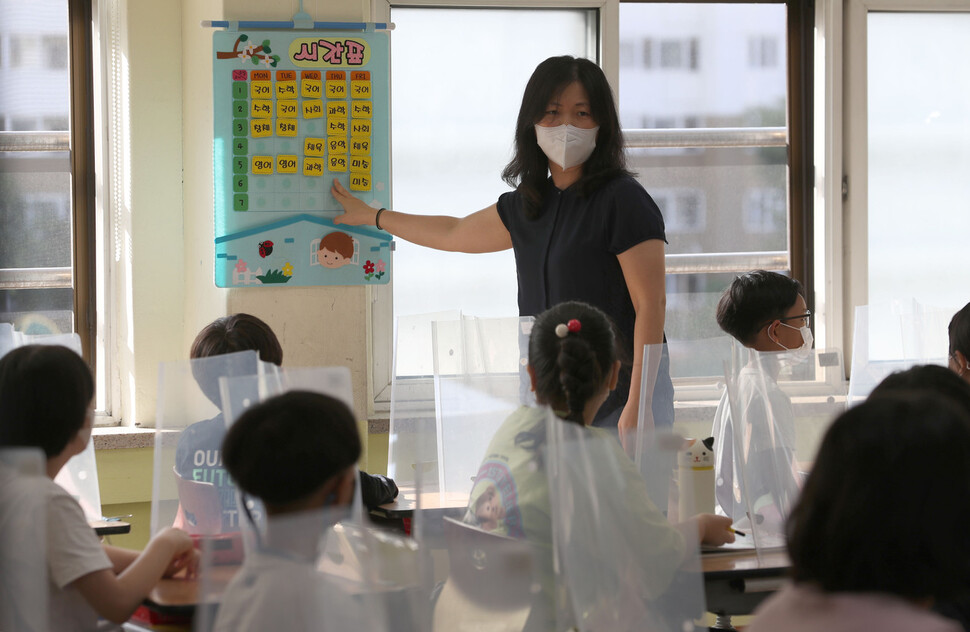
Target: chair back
column 489, row 584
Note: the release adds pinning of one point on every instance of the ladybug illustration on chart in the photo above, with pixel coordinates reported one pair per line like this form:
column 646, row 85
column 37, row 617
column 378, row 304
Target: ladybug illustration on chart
column 265, row 248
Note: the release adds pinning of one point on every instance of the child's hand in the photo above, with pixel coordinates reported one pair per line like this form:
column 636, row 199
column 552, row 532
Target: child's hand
column 184, row 554
column 714, row 530
column 356, row 212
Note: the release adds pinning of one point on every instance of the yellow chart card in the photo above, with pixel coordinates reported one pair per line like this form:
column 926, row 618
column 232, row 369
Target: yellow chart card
column 312, row 108
column 359, row 147
column 314, row 146
column 286, row 127
column 336, row 90
column 260, row 128
column 336, row 126
column 286, row 108
column 337, row 145
column 360, row 127
column 313, row 166
column 261, row 108
column 261, row 90
column 262, row 165
column 337, row 163
column 337, row 108
column 286, row 163
column 360, row 89
column 360, row 182
column 361, row 109
column 360, row 164
column 286, row 90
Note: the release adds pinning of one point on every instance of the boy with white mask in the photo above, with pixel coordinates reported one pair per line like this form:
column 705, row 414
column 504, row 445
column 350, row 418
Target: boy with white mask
column 765, row 312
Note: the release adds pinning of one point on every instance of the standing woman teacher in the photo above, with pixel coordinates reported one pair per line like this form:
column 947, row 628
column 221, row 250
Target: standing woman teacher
column 589, row 233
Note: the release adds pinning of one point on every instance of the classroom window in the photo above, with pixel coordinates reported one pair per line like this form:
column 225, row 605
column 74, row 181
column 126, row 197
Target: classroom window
column 720, row 139
column 45, row 163
column 449, row 151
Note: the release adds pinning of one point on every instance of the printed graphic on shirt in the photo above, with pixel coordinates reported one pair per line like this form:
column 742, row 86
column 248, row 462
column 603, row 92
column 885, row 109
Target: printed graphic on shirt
column 493, row 505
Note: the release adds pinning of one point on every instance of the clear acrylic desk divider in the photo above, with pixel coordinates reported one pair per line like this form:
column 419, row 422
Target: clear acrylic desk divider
column 361, row 577
column 619, row 564
column 890, row 337
column 24, row 584
column 478, row 379
column 412, row 440
column 781, row 403
column 79, row 476
column 191, row 488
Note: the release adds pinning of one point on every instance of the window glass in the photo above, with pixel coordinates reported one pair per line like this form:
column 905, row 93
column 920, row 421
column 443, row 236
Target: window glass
column 453, row 120
column 36, row 216
column 708, row 66
column 919, row 132
column 34, row 64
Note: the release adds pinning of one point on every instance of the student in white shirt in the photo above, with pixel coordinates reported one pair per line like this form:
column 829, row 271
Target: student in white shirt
column 296, row 452
column 46, row 401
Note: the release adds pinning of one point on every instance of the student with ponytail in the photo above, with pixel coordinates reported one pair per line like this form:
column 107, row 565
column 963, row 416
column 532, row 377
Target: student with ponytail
column 573, row 367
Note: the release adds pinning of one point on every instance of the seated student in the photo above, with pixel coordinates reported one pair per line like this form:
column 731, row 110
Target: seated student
column 296, row 453
column 573, row 368
column 198, row 455
column 879, row 533
column 940, row 382
column 764, row 311
column 959, row 331
column 47, row 402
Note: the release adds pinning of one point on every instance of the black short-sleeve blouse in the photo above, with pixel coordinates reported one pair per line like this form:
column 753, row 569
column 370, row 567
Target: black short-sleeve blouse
column 569, row 252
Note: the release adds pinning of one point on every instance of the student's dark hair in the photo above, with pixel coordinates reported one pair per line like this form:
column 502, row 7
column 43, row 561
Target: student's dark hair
column 45, row 391
column 237, row 332
column 926, row 378
column 528, row 170
column 230, row 334
column 885, row 508
column 753, row 300
column 959, row 331
column 570, row 369
column 287, row 447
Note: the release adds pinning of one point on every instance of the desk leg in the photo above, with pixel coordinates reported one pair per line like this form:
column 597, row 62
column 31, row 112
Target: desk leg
column 723, row 622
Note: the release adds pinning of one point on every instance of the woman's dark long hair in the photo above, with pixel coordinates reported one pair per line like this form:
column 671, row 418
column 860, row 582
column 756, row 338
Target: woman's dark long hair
column 529, row 168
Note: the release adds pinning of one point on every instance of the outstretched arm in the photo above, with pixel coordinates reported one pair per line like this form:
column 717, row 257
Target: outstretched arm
column 115, row 597
column 482, row 231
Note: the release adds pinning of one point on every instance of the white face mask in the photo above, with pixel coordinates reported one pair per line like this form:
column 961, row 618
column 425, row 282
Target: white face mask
column 565, row 145
column 807, row 340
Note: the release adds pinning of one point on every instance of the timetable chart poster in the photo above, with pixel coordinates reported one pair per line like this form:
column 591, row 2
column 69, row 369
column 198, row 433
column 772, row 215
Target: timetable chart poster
column 294, row 111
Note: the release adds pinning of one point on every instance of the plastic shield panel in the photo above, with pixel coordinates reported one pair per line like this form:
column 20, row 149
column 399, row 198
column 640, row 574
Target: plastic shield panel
column 315, row 570
column 894, row 337
column 191, row 487
column 767, row 432
column 79, row 476
column 480, row 377
column 412, row 445
column 23, row 540
column 619, row 564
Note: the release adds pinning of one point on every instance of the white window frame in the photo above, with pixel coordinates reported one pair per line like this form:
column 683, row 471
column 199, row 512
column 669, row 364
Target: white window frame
column 853, row 102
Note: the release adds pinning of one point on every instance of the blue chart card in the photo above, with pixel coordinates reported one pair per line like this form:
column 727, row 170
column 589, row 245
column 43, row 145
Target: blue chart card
column 293, row 111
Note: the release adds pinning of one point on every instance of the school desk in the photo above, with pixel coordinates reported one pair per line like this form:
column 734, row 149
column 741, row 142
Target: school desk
column 736, row 581
column 403, row 507
column 110, row 527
